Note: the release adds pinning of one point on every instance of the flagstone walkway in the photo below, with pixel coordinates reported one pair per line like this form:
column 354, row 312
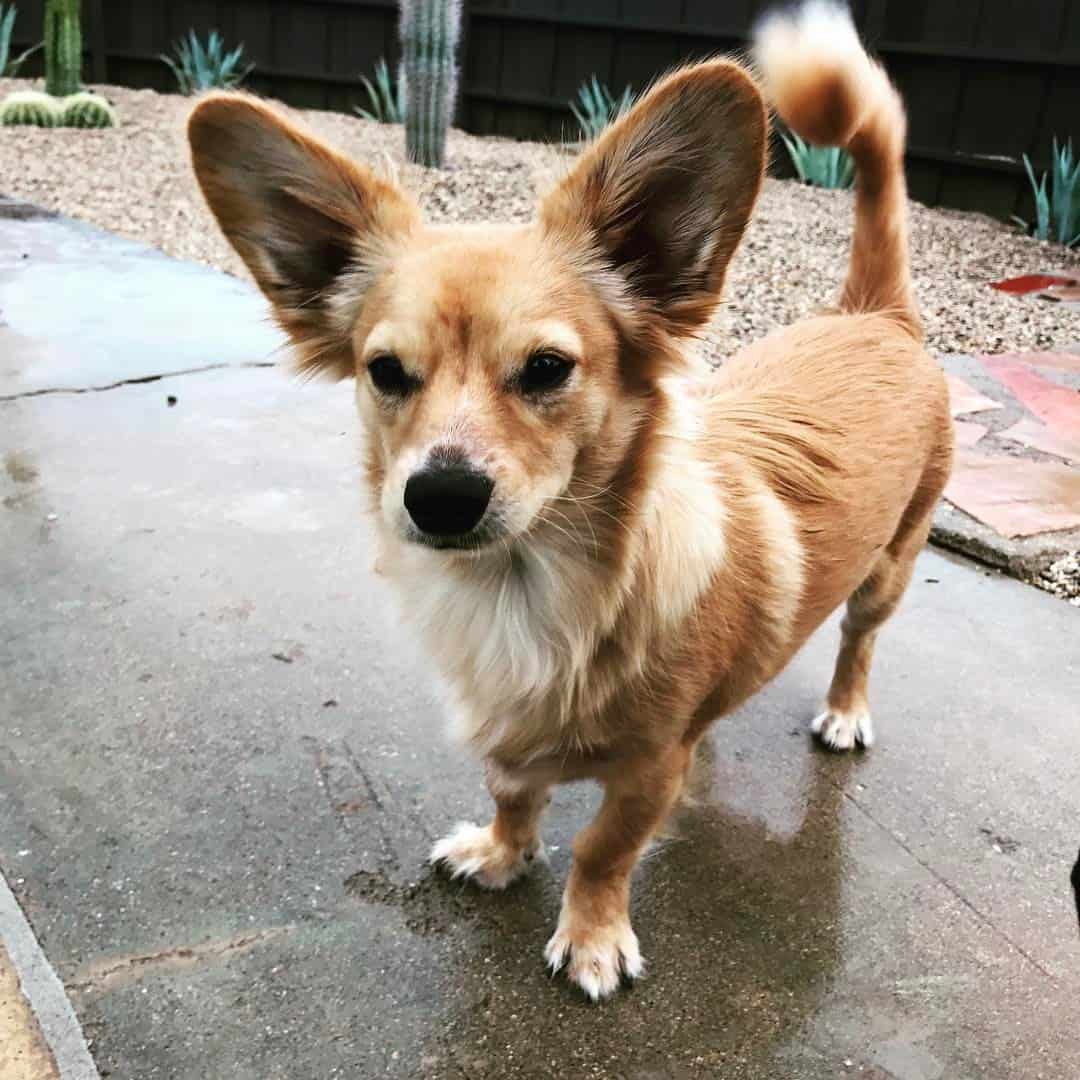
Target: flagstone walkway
column 1017, row 469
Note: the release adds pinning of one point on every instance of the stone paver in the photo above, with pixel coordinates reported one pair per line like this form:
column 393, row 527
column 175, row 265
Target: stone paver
column 1016, row 497
column 1012, row 501
column 1049, row 440
column 965, row 399
column 1056, row 406
column 24, row 1054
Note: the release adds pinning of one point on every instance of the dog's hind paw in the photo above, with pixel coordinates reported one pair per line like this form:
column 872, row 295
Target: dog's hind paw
column 843, row 730
column 472, row 852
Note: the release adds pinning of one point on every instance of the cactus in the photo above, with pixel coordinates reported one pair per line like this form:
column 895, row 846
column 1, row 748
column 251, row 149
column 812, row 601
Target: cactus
column 29, row 107
column 86, row 110
column 63, row 47
column 429, row 36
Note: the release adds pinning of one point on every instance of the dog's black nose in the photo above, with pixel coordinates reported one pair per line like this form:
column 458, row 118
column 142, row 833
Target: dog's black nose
column 447, row 499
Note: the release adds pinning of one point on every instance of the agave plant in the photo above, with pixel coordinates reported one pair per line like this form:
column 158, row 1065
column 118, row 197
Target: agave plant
column 200, row 67
column 387, row 97
column 1057, row 210
column 820, row 166
column 595, row 106
column 9, row 65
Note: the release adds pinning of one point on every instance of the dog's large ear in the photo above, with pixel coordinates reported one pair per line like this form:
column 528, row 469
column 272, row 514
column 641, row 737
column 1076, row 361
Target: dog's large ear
column 666, row 192
column 311, row 225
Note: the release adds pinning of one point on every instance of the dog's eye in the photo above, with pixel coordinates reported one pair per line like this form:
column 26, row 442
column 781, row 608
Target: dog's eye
column 390, row 377
column 544, row 371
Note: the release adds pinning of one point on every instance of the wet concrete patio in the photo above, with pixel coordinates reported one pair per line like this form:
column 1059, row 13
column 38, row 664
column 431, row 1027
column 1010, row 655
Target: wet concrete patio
column 221, row 768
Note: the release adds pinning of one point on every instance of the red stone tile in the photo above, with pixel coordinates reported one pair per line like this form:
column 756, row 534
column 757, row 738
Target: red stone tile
column 964, row 398
column 968, row 433
column 1015, row 497
column 1059, row 361
column 1040, row 437
column 1056, row 406
column 1028, row 283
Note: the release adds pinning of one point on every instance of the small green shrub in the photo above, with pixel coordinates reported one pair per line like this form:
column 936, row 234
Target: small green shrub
column 200, row 67
column 9, row 66
column 387, row 97
column 1057, row 211
column 820, row 166
column 86, row 110
column 31, row 108
column 595, row 106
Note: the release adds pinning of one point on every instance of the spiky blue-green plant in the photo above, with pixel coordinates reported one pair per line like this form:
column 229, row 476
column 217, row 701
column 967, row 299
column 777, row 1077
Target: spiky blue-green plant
column 595, row 106
column 31, row 108
column 9, row 65
column 430, row 30
column 387, row 97
column 821, row 166
column 1057, row 210
column 200, row 67
column 63, row 47
column 86, row 110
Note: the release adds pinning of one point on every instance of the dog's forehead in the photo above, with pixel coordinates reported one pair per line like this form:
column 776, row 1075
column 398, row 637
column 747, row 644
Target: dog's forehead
column 468, row 281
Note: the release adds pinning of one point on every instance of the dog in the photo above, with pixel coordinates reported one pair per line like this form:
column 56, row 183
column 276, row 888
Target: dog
column 602, row 556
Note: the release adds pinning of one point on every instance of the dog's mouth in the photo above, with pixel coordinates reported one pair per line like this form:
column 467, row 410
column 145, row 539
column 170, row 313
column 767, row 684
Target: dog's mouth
column 475, row 541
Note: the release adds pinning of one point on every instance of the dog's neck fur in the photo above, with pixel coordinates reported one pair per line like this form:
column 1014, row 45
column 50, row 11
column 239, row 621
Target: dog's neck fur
column 534, row 639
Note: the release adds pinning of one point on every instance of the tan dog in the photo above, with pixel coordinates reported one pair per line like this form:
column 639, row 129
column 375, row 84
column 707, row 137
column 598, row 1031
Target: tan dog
column 602, row 560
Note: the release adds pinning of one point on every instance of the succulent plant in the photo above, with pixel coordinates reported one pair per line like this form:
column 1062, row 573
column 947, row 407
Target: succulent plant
column 430, row 30
column 199, row 67
column 63, row 47
column 86, row 110
column 9, row 65
column 30, row 108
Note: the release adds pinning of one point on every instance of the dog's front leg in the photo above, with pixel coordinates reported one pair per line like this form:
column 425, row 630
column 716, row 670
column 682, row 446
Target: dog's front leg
column 495, row 855
column 594, row 939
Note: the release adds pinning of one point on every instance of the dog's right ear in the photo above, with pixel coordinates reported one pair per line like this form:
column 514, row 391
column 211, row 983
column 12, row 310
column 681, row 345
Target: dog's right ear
column 312, row 226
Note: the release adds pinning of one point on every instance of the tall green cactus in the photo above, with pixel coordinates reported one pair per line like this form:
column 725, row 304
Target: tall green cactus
column 430, row 30
column 63, row 47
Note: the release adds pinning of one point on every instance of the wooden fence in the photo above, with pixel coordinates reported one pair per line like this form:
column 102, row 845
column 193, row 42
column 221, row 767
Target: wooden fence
column 985, row 80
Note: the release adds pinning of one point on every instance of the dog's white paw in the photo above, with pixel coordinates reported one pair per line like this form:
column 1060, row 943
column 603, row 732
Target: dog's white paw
column 471, row 851
column 595, row 958
column 843, row 730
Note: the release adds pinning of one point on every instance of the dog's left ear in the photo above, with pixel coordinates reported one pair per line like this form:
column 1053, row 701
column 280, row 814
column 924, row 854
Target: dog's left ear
column 666, row 192
column 313, row 227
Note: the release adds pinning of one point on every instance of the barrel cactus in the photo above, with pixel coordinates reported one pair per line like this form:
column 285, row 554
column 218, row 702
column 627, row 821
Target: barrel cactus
column 63, row 47
column 86, row 110
column 430, row 30
column 30, row 107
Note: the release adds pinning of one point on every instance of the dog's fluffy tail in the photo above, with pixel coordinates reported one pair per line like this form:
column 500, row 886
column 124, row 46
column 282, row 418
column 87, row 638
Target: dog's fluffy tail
column 827, row 90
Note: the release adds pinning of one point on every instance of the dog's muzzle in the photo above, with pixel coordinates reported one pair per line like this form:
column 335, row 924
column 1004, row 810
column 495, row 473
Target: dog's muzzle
column 447, row 499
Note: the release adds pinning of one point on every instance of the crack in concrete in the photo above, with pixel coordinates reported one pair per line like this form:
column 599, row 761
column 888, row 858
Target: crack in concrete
column 112, row 974
column 135, row 380
column 941, row 879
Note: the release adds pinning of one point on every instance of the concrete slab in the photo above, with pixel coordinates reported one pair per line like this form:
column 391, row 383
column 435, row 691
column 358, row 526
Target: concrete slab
column 222, row 851
column 82, row 309
column 221, row 768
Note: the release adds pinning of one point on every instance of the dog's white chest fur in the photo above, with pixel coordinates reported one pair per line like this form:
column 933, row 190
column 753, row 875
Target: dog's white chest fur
column 514, row 633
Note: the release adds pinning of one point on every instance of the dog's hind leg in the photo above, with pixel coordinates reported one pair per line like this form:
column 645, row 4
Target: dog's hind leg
column 846, row 721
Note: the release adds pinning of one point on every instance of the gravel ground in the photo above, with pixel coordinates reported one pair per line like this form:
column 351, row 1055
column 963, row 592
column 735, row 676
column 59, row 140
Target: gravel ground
column 135, row 180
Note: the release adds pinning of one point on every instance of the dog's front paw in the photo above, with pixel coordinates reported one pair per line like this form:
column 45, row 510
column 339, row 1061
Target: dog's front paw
column 843, row 730
column 473, row 852
column 595, row 957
